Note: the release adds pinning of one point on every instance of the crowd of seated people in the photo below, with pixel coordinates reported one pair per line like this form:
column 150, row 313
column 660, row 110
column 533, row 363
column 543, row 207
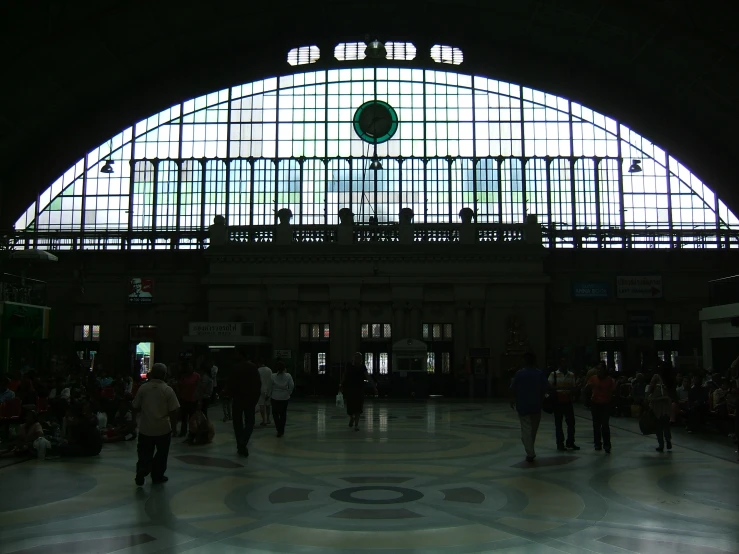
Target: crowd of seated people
column 74, row 411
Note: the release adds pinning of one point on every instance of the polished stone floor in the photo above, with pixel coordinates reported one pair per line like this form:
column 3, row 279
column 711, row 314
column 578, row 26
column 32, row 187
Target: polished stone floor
column 432, row 477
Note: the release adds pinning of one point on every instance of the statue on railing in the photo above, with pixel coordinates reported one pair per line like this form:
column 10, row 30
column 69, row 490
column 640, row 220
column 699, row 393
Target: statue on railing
column 218, row 232
column 345, row 231
column 533, row 229
column 283, row 232
column 468, row 232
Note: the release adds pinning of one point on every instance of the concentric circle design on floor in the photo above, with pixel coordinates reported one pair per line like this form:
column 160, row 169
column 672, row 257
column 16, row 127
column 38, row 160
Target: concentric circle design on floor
column 399, row 495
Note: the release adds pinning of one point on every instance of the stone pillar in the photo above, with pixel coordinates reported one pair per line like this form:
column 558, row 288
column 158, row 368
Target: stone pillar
column 338, row 334
column 291, row 331
column 352, row 330
column 476, row 332
column 460, row 335
column 414, row 331
column 276, row 326
column 398, row 322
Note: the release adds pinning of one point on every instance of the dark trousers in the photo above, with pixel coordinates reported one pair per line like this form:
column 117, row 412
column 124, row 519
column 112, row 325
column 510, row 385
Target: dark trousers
column 243, row 414
column 186, row 410
column 601, row 429
column 663, row 430
column 205, row 402
column 279, row 414
column 153, row 452
column 563, row 410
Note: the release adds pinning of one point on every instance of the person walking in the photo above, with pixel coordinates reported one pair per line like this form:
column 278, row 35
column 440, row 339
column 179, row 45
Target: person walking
column 562, row 380
column 157, row 403
column 282, row 388
column 528, row 387
column 661, row 405
column 352, row 387
column 265, row 374
column 601, row 387
column 189, row 393
column 244, row 387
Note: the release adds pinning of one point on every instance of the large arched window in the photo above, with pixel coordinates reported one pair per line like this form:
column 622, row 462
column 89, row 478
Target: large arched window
column 504, row 150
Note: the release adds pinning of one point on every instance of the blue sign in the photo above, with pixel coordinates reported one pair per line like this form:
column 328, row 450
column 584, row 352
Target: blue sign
column 590, row 290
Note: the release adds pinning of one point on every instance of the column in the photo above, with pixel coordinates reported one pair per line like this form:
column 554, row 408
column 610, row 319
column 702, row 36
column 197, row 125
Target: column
column 338, row 335
column 352, row 330
column 398, row 322
column 415, row 327
column 291, row 331
column 460, row 335
column 477, row 339
column 275, row 326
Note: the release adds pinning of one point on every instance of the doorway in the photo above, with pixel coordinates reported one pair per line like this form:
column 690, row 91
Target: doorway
column 144, row 357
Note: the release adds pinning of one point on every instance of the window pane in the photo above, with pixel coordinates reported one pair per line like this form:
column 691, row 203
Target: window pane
column 447, row 331
column 617, row 358
column 306, row 357
column 610, row 331
column 383, row 363
column 376, row 331
column 437, row 331
column 673, row 358
column 675, row 331
column 430, row 362
column 86, row 332
column 604, row 357
column 369, row 361
column 667, row 332
column 303, row 330
column 365, row 330
column 321, row 363
column 95, row 332
column 446, row 362
column 326, row 333
column 425, row 331
column 387, row 331
column 657, row 331
column 619, row 331
column 600, row 331
column 661, row 355
column 315, row 331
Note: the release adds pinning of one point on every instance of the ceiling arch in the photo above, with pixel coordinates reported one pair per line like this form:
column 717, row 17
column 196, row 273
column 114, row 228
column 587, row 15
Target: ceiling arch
column 79, row 72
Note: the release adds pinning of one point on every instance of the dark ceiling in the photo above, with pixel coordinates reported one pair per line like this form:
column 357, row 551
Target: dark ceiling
column 74, row 73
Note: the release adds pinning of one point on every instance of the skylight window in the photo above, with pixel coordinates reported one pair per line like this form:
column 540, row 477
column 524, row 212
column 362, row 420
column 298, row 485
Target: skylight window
column 303, row 55
column 350, row 51
column 447, row 54
column 400, row 51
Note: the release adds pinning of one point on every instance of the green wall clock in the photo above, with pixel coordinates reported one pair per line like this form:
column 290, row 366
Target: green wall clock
column 375, row 121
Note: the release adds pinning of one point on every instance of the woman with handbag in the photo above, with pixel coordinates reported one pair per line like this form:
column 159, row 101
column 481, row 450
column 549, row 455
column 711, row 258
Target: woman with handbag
column 660, row 404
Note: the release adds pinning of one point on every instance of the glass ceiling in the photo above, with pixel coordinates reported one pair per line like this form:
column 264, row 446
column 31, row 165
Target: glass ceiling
column 462, row 141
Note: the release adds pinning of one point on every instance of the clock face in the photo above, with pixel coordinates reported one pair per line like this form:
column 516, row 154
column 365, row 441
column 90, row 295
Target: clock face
column 375, row 121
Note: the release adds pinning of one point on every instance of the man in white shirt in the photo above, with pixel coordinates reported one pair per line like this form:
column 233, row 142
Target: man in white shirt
column 563, row 381
column 265, row 374
column 157, row 404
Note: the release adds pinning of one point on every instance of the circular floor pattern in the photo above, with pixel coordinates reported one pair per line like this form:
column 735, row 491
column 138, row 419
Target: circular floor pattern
column 389, row 495
column 35, row 486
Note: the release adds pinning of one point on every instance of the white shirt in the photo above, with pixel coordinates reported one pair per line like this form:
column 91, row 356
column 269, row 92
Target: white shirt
column 265, row 374
column 214, row 375
column 282, row 386
column 155, row 400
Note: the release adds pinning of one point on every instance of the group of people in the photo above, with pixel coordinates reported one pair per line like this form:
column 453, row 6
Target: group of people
column 533, row 391
column 251, row 388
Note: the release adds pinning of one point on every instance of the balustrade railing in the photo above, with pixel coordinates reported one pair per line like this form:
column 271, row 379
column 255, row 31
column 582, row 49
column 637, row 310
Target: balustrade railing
column 422, row 233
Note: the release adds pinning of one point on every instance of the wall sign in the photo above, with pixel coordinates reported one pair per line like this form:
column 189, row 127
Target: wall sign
column 590, row 289
column 215, row 329
column 283, row 354
column 140, row 290
column 639, row 286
